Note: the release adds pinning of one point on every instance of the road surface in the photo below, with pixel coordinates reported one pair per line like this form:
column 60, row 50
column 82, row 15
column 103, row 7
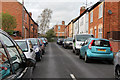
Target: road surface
column 62, row 63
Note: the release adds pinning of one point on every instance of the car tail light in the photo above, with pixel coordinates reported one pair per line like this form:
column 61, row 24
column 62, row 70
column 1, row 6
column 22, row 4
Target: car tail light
column 110, row 46
column 4, row 68
column 90, row 45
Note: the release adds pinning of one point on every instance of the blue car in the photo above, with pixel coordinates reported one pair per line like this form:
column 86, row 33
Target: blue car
column 95, row 48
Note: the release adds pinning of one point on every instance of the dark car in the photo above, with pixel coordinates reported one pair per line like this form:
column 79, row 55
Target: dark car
column 13, row 63
column 60, row 41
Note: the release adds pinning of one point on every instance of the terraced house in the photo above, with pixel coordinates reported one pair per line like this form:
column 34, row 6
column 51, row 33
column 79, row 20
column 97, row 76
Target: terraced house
column 26, row 26
column 60, row 30
column 104, row 21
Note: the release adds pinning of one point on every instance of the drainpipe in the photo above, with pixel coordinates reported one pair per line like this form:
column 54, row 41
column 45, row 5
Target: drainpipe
column 103, row 17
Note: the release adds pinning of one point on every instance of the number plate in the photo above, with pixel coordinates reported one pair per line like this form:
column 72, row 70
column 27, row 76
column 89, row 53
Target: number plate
column 101, row 50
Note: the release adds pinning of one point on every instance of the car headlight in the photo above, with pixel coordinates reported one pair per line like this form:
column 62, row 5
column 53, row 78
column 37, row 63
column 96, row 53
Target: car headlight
column 37, row 49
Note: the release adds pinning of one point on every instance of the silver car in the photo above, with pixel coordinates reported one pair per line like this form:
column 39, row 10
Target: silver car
column 117, row 66
column 27, row 48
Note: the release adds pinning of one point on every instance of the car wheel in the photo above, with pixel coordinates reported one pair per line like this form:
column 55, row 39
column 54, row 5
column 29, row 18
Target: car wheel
column 40, row 58
column 111, row 61
column 76, row 52
column 86, row 58
column 73, row 51
column 80, row 57
column 117, row 73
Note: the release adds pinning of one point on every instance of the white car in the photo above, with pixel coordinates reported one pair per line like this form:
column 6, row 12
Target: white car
column 27, row 48
column 78, row 40
column 117, row 66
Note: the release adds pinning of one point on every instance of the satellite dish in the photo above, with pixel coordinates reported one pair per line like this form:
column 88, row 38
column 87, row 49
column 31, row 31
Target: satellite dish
column 109, row 11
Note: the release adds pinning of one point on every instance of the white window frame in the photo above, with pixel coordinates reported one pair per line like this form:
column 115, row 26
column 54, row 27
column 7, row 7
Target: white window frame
column 91, row 17
column 59, row 28
column 99, row 32
column 101, row 11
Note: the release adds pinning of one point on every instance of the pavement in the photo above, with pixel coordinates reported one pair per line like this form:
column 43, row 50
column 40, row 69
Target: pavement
column 60, row 63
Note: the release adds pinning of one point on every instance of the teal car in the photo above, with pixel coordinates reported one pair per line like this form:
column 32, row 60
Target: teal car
column 95, row 48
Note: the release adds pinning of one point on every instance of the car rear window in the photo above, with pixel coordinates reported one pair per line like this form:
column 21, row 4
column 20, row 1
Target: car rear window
column 23, row 45
column 101, row 43
column 83, row 37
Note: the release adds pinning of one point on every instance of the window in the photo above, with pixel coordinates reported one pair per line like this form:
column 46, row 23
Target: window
column 91, row 17
column 82, row 19
column 100, row 33
column 91, row 31
column 14, row 56
column 58, row 34
column 95, row 32
column 4, row 63
column 101, row 43
column 100, row 11
column 23, row 45
column 58, row 28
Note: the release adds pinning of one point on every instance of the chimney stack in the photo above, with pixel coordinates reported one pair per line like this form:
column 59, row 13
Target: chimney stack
column 30, row 14
column 63, row 22
column 82, row 9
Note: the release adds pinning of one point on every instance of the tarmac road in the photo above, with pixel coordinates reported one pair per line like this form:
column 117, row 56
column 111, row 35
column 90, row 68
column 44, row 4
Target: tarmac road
column 62, row 63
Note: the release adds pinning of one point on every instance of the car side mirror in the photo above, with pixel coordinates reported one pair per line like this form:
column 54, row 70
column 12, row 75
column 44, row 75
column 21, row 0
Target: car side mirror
column 73, row 40
column 31, row 50
column 119, row 50
column 83, row 44
column 30, row 62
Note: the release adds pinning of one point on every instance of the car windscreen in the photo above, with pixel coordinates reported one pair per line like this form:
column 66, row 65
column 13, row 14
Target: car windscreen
column 69, row 39
column 101, row 43
column 34, row 41
column 83, row 37
column 23, row 45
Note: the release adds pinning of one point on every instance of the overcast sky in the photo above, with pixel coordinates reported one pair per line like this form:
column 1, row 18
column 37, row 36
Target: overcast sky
column 63, row 10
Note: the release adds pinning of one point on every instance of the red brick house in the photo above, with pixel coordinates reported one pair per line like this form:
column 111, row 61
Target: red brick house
column 29, row 28
column 104, row 22
column 60, row 30
column 67, row 31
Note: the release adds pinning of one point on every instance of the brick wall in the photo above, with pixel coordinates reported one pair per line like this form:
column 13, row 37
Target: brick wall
column 115, row 45
column 96, row 21
column 61, row 32
column 111, row 22
column 15, row 9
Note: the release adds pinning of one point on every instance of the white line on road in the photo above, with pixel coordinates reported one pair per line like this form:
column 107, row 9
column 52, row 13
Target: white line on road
column 73, row 77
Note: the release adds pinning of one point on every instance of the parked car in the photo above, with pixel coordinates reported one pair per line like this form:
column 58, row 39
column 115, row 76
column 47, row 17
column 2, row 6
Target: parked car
column 43, row 40
column 63, row 42
column 117, row 66
column 68, row 43
column 60, row 41
column 37, row 48
column 46, row 40
column 42, row 45
column 95, row 48
column 78, row 40
column 27, row 48
column 13, row 63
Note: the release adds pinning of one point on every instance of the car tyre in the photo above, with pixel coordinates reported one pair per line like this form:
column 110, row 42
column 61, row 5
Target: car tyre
column 80, row 57
column 117, row 73
column 86, row 58
column 73, row 51
column 76, row 52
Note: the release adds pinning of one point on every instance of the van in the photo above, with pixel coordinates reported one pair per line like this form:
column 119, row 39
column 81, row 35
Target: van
column 78, row 40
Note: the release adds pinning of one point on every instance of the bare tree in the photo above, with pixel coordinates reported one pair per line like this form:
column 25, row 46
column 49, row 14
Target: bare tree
column 44, row 20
